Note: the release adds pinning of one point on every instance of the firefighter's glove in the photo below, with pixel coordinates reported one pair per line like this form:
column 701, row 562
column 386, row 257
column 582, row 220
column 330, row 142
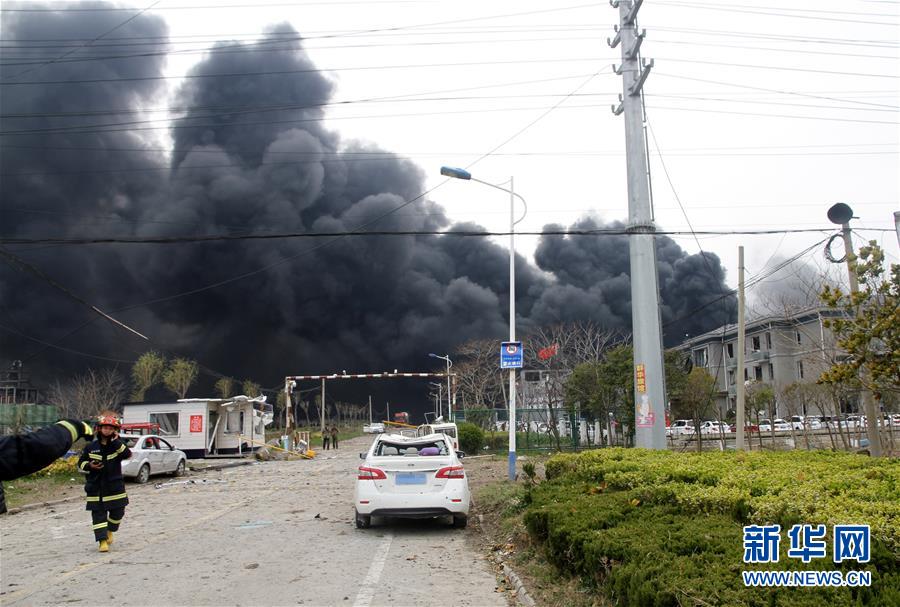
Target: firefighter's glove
column 78, row 428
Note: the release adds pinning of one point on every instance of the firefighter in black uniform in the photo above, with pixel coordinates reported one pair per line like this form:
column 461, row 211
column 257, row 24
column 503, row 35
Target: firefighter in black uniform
column 22, row 454
column 105, row 486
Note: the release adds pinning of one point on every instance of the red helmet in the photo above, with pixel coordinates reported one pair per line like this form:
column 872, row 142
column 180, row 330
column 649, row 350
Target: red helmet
column 108, row 420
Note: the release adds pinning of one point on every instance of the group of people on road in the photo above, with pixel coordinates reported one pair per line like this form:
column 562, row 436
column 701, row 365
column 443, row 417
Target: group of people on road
column 330, row 437
column 101, row 460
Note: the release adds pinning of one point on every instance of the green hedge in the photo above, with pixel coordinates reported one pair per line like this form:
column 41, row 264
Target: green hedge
column 658, row 528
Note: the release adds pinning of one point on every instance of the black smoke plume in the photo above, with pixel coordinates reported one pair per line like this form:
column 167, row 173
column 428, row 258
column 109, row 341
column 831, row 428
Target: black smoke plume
column 250, row 153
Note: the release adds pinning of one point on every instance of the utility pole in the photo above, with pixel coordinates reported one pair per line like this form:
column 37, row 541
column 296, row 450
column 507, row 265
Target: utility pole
column 841, row 214
column 322, row 406
column 739, row 372
column 388, row 410
column 370, row 409
column 649, row 377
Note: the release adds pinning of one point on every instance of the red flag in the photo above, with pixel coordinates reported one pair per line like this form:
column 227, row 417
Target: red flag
column 547, row 352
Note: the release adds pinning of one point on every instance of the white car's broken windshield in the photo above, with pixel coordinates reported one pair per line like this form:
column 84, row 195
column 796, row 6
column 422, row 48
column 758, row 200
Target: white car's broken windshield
column 424, row 448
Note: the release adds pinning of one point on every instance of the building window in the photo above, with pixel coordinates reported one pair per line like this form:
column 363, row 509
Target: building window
column 731, row 377
column 168, row 423
column 730, row 349
column 757, row 373
column 701, row 358
column 771, row 371
column 768, row 341
column 746, row 377
column 755, row 343
column 799, row 367
column 799, row 341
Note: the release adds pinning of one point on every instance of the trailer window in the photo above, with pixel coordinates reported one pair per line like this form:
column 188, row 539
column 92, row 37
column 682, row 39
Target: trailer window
column 168, row 423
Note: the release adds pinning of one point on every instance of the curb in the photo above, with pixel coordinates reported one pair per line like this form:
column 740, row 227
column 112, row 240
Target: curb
column 522, row 596
column 521, row 593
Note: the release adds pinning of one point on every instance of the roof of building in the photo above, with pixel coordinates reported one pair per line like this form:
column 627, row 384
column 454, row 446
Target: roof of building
column 729, row 331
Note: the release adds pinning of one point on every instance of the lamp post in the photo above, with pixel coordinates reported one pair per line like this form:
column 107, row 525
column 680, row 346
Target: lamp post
column 449, row 364
column 466, row 175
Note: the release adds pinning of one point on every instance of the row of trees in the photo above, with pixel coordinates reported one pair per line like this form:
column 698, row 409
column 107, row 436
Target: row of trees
column 96, row 389
column 589, row 370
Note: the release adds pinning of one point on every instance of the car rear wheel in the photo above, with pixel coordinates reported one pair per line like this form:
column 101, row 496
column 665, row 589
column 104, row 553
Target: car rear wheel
column 144, row 474
column 179, row 470
column 363, row 521
column 460, row 521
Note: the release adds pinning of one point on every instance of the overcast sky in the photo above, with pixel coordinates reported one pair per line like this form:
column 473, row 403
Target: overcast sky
column 765, row 113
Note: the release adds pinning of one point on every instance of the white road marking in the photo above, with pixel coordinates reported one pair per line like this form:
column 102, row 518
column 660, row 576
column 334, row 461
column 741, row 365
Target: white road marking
column 367, row 590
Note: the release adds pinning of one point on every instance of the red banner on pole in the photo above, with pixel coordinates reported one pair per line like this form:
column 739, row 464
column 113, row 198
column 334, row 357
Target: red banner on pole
column 548, row 352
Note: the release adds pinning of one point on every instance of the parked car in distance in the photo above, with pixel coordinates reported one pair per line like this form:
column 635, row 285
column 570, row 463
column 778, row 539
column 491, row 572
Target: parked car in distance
column 151, row 454
column 800, row 422
column 681, row 427
column 782, row 425
column 411, row 477
column 765, row 425
column 714, row 427
column 373, row 428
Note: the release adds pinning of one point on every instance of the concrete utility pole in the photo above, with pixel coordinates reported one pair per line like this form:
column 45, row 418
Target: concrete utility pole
column 322, row 406
column 649, row 377
column 370, row 409
column 739, row 372
column 841, row 214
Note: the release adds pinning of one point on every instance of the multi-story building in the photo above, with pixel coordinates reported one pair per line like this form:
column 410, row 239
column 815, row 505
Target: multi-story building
column 780, row 350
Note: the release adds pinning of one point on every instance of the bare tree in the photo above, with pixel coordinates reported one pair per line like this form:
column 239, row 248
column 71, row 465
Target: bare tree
column 84, row 395
column 697, row 395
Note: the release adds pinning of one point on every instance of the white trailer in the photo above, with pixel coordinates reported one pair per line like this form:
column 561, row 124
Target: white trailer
column 207, row 427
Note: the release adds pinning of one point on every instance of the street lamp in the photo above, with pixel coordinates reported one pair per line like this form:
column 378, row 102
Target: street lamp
column 449, row 364
column 466, row 175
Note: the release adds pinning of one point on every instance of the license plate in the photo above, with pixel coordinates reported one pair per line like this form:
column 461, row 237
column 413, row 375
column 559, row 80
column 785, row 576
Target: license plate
column 411, row 478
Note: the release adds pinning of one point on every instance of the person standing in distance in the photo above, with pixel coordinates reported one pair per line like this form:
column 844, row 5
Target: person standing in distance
column 105, row 485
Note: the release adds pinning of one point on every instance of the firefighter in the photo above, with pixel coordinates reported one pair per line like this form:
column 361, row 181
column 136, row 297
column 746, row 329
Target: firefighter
column 22, row 454
column 105, row 486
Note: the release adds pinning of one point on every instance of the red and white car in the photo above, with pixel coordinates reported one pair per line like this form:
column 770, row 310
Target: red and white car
column 411, row 477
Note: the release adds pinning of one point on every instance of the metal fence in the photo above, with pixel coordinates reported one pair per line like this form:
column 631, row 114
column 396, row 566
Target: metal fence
column 18, row 418
column 535, row 429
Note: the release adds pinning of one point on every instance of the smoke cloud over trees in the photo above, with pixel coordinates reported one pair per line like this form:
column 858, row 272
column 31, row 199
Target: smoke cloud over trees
column 248, row 152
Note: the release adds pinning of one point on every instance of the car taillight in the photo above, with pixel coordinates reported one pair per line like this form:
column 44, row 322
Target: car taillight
column 370, row 474
column 451, row 472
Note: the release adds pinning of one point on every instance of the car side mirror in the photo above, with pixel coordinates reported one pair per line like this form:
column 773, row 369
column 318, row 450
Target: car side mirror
column 362, row 456
column 460, row 454
column 171, row 448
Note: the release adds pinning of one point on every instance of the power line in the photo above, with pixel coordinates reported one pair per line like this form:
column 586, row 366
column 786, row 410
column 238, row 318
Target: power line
column 90, row 42
column 14, row 240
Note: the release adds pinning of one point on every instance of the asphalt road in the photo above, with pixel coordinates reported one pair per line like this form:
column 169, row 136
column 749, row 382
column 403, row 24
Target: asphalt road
column 272, row 533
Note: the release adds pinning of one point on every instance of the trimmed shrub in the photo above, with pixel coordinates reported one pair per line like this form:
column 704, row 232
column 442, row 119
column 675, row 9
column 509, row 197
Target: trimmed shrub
column 658, row 528
column 471, row 438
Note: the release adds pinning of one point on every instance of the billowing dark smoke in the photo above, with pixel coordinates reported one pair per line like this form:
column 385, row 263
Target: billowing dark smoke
column 250, row 154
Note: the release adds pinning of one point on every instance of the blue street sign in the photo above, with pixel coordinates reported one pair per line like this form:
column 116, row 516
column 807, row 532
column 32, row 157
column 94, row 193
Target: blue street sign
column 511, row 355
